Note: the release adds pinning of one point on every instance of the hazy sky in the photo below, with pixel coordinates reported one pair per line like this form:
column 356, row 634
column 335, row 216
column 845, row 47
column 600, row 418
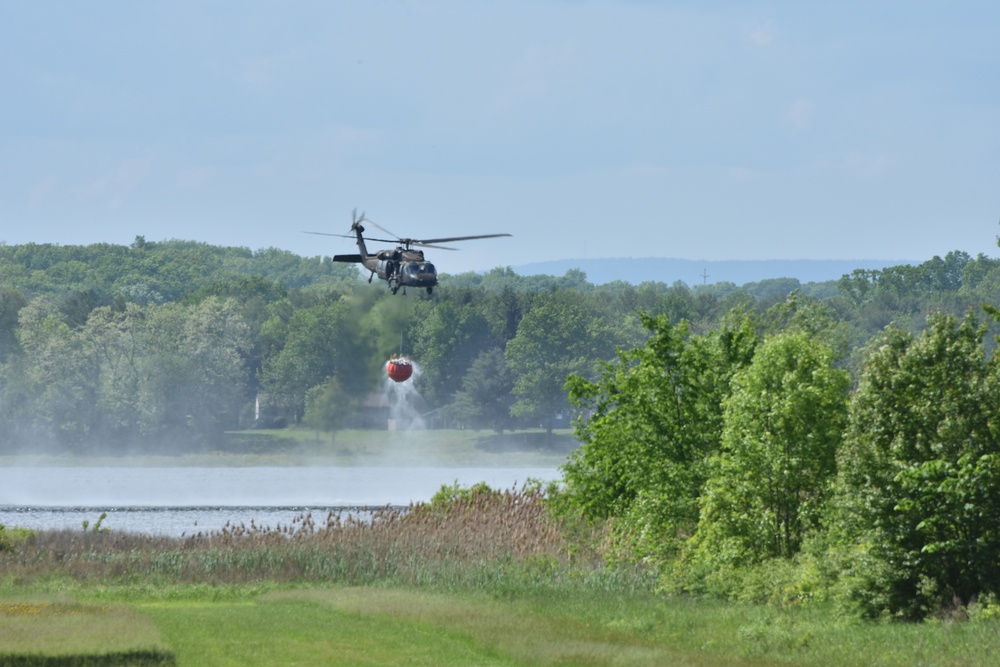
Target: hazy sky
column 698, row 130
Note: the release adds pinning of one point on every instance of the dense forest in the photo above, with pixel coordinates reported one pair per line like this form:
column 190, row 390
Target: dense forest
column 168, row 345
column 773, row 440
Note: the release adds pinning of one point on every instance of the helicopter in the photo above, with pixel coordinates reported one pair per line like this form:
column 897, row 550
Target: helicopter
column 402, row 266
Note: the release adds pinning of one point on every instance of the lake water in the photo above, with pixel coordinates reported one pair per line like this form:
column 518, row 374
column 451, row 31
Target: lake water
column 184, row 501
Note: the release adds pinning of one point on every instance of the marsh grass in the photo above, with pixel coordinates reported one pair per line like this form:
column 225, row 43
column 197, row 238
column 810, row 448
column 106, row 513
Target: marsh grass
column 490, row 539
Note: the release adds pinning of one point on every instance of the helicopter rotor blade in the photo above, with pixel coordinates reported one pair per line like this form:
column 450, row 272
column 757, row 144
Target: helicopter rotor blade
column 456, row 238
column 369, row 238
column 421, row 244
column 352, row 236
column 346, row 236
column 398, row 239
column 356, row 221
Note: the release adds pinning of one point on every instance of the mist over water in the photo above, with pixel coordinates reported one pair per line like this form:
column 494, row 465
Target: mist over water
column 246, row 486
column 175, row 500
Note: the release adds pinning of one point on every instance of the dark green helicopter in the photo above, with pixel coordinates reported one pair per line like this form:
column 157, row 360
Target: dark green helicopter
column 402, row 266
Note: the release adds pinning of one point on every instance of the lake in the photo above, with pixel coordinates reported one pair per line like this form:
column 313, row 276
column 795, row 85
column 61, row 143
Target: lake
column 186, row 500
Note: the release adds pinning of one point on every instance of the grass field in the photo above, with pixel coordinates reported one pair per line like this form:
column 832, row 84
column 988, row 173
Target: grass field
column 385, row 625
column 65, row 629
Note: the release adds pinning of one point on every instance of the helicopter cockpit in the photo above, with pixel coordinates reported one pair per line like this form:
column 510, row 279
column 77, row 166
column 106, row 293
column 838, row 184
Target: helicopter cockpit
column 418, row 273
column 419, row 268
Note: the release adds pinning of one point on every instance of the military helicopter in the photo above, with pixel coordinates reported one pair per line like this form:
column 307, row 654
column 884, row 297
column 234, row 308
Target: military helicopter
column 403, row 266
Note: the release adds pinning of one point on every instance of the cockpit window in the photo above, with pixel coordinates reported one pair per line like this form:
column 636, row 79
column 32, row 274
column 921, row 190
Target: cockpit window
column 421, row 267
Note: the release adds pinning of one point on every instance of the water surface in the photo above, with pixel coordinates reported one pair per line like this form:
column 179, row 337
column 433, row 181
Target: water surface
column 177, row 501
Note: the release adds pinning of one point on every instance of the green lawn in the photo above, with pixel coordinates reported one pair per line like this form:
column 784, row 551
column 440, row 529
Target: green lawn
column 208, row 626
column 68, row 629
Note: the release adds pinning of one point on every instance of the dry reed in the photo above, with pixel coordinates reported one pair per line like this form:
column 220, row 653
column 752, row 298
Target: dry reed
column 482, row 539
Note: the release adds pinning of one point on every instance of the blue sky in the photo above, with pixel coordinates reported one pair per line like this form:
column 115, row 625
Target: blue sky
column 712, row 130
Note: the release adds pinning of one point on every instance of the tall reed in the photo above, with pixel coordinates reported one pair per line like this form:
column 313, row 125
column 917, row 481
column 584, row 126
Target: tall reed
column 486, row 539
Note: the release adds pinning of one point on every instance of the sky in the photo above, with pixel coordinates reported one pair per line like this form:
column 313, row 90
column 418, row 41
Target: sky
column 697, row 130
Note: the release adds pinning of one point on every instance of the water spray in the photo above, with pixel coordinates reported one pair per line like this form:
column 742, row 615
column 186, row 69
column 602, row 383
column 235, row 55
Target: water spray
column 406, row 405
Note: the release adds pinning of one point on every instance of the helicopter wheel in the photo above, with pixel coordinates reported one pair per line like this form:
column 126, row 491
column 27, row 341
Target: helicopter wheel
column 430, row 290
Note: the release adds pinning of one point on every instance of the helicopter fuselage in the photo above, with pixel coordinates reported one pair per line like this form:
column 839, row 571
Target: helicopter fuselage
column 399, row 267
column 403, row 266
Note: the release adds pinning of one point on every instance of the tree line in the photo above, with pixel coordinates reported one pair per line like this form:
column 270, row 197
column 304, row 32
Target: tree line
column 170, row 344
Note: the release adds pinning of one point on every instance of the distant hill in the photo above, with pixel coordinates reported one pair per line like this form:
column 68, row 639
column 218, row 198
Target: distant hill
column 696, row 272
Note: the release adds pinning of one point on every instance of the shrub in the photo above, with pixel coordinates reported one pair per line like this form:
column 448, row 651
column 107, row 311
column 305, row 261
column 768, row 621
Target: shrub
column 11, row 537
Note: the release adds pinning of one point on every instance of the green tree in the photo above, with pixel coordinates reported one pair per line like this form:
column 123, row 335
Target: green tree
column 254, row 295
column 783, row 424
column 59, row 377
column 11, row 303
column 171, row 373
column 316, row 344
column 919, row 489
column 650, row 423
column 504, row 309
column 557, row 338
column 447, row 336
column 485, row 397
column 121, row 348
column 217, row 340
column 328, row 406
column 859, row 285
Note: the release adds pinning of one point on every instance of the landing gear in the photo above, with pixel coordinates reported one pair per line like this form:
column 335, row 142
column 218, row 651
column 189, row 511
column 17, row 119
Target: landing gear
column 430, row 290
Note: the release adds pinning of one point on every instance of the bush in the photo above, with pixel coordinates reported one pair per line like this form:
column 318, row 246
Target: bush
column 11, row 537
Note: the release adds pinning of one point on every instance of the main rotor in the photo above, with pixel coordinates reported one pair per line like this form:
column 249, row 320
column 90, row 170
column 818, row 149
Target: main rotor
column 404, row 242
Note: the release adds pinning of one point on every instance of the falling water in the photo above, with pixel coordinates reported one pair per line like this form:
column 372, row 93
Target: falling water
column 407, row 408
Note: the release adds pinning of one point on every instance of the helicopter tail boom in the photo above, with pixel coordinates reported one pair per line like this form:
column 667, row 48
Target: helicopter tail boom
column 347, row 258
